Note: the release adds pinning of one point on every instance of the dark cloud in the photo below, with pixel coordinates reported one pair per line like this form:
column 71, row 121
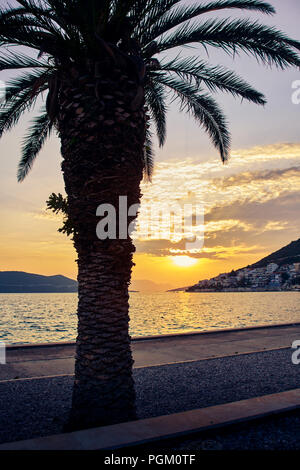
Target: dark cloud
column 250, row 176
column 280, row 209
column 263, row 217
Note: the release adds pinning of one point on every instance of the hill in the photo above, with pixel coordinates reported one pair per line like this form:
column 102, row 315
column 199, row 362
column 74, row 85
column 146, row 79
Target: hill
column 287, row 255
column 178, row 289
column 21, row 282
column 263, row 279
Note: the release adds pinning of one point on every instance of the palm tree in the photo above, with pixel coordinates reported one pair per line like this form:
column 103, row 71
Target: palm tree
column 103, row 66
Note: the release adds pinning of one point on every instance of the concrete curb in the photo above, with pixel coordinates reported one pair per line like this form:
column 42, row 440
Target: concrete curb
column 162, row 337
column 163, row 427
column 210, row 332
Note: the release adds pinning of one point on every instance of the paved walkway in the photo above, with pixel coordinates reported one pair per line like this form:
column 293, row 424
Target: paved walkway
column 58, row 359
column 38, row 407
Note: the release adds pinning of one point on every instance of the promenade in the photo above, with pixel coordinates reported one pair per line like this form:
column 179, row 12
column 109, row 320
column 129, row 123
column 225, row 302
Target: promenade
column 184, row 384
column 58, row 358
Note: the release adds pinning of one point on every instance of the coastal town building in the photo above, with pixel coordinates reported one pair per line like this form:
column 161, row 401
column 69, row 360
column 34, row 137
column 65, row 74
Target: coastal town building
column 271, row 277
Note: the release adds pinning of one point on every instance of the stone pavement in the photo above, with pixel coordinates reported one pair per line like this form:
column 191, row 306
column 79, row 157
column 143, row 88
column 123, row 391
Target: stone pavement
column 51, row 359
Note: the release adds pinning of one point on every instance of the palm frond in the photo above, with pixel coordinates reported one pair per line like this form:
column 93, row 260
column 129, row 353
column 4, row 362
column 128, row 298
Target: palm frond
column 121, row 8
column 37, row 134
column 44, row 15
column 140, row 11
column 57, row 203
column 179, row 15
column 59, row 15
column 155, row 99
column 19, row 33
column 155, row 10
column 148, row 156
column 214, row 77
column 31, row 14
column 21, row 94
column 205, row 111
column 20, row 61
column 266, row 43
column 36, row 32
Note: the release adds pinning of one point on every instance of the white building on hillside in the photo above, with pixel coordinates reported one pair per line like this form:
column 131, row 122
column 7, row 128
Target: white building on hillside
column 271, row 268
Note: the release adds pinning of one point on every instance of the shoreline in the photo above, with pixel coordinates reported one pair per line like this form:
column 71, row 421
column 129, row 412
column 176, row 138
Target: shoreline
column 238, row 291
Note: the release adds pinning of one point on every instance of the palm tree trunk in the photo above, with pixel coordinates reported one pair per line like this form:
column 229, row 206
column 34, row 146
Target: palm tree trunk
column 102, row 129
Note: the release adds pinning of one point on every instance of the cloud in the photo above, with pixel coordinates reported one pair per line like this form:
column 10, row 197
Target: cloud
column 275, row 225
column 247, row 178
column 226, row 225
column 272, row 151
column 45, row 214
column 249, row 204
column 283, row 209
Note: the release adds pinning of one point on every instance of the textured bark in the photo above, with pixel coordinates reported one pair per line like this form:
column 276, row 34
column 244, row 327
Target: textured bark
column 102, row 126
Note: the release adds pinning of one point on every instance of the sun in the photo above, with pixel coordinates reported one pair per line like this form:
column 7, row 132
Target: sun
column 184, row 261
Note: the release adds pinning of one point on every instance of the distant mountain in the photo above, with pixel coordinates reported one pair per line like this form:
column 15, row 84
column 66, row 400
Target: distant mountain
column 21, row 282
column 144, row 285
column 178, row 289
column 289, row 254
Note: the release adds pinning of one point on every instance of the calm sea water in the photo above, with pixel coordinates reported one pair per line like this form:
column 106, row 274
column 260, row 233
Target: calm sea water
column 40, row 318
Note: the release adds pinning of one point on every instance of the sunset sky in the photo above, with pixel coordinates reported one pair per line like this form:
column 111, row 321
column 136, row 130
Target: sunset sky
column 251, row 204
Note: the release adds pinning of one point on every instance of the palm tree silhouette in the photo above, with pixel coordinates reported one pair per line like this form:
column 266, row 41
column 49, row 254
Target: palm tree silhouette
column 103, row 66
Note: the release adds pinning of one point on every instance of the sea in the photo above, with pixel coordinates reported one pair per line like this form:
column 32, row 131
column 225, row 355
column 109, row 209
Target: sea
column 42, row 318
